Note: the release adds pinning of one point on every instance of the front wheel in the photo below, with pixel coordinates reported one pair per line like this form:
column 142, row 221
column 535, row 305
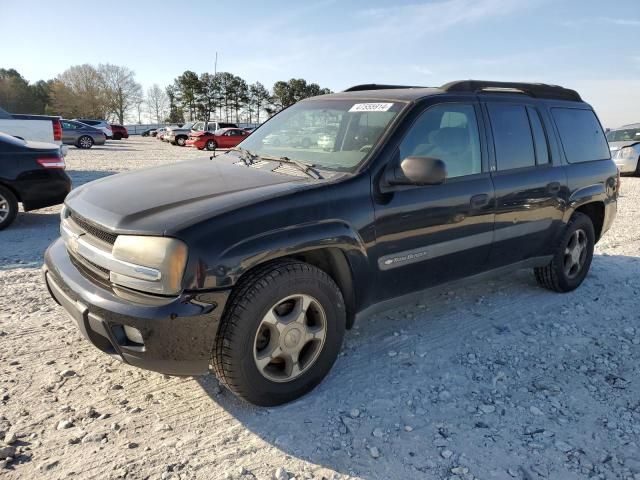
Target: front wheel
column 572, row 259
column 8, row 207
column 181, row 141
column 211, row 145
column 85, row 142
column 280, row 334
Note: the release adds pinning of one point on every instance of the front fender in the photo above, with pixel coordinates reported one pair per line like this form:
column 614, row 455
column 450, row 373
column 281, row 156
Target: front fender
column 231, row 263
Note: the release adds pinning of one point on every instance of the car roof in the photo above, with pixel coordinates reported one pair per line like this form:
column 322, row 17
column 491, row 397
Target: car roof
column 626, row 127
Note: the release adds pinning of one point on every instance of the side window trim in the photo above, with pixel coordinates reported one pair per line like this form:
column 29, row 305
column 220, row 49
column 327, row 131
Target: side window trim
column 531, row 112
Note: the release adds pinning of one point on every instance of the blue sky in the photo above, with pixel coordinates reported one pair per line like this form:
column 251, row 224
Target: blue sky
column 588, row 45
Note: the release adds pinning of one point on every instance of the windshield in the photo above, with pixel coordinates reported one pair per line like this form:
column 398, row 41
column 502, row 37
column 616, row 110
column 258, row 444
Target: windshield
column 331, row 134
column 624, row 135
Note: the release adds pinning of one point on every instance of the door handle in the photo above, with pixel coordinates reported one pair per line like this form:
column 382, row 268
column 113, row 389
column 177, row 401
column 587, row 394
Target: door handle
column 479, row 200
column 553, row 187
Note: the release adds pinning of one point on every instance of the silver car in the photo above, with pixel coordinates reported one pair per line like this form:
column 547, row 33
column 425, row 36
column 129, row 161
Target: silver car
column 624, row 143
column 81, row 135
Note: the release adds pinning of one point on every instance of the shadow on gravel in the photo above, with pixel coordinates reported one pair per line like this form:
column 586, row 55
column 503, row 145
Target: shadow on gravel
column 393, row 366
column 80, row 177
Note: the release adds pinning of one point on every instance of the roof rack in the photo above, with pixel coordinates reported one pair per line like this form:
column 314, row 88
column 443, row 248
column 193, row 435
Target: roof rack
column 538, row 90
column 375, row 86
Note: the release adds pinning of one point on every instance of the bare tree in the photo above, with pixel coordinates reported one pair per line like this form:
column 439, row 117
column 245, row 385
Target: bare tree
column 158, row 102
column 79, row 92
column 121, row 89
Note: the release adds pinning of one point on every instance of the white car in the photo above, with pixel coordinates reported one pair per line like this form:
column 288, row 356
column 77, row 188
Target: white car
column 99, row 124
column 624, row 143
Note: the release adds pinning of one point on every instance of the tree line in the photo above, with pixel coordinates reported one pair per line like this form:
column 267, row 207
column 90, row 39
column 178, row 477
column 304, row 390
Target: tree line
column 111, row 92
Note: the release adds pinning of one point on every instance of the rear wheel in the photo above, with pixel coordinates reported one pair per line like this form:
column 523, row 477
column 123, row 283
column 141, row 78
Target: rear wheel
column 8, row 207
column 211, row 145
column 572, row 259
column 637, row 172
column 85, row 141
column 181, row 141
column 280, row 334
column 117, row 136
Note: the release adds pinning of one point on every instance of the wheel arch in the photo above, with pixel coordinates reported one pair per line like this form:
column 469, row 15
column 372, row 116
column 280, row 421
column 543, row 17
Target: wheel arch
column 595, row 211
column 15, row 192
column 332, row 247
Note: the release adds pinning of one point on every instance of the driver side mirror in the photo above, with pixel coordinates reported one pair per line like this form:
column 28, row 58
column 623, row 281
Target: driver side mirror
column 417, row 171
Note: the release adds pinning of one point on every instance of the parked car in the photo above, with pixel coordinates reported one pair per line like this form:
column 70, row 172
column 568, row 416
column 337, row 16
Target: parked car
column 31, row 173
column 37, row 128
column 223, row 138
column 148, row 132
column 256, row 263
column 119, row 131
column 211, row 126
column 81, row 135
column 624, row 143
column 102, row 125
column 178, row 135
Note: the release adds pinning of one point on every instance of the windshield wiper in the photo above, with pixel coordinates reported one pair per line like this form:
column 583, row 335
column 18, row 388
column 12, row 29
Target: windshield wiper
column 246, row 156
column 307, row 168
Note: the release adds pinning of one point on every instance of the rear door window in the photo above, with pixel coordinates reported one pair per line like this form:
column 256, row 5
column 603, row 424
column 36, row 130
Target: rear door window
column 511, row 136
column 581, row 135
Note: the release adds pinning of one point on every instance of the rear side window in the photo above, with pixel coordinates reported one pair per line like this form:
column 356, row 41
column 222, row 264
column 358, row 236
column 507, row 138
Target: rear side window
column 511, row 136
column 581, row 134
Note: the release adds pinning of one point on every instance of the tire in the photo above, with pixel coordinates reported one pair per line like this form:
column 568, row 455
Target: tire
column 211, row 145
column 557, row 276
column 181, row 141
column 240, row 341
column 117, row 136
column 637, row 172
column 8, row 207
column 84, row 142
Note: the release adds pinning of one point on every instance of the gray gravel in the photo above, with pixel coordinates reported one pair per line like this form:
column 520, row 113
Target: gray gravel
column 499, row 380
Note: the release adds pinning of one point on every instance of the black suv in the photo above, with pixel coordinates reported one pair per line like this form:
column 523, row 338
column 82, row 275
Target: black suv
column 252, row 264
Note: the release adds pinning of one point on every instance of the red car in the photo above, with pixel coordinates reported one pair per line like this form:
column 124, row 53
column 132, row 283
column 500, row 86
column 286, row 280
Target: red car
column 119, row 132
column 223, row 138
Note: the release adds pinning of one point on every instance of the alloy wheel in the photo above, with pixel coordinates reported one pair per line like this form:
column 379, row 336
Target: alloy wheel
column 290, row 338
column 4, row 208
column 575, row 253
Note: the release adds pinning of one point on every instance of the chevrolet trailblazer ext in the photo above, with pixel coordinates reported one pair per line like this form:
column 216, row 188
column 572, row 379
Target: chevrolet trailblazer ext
column 252, row 264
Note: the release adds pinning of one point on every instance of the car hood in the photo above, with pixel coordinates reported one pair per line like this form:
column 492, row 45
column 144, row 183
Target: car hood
column 163, row 200
column 614, row 146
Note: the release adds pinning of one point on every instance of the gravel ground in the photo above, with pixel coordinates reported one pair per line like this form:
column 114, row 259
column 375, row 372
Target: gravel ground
column 500, row 380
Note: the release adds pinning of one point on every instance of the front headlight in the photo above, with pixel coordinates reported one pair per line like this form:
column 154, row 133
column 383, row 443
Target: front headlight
column 627, row 152
column 157, row 263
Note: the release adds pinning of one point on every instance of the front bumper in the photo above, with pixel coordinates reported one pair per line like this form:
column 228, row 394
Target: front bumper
column 178, row 336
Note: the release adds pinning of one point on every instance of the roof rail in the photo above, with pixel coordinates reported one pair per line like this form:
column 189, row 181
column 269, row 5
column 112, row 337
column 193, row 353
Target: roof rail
column 538, row 90
column 375, row 86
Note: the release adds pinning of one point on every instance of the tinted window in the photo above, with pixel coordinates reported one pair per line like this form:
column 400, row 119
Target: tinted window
column 581, row 134
column 511, row 136
column 539, row 137
column 450, row 133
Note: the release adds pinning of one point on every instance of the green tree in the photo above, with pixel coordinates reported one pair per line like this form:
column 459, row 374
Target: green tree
column 286, row 94
column 258, row 99
column 176, row 114
column 208, row 95
column 187, row 87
